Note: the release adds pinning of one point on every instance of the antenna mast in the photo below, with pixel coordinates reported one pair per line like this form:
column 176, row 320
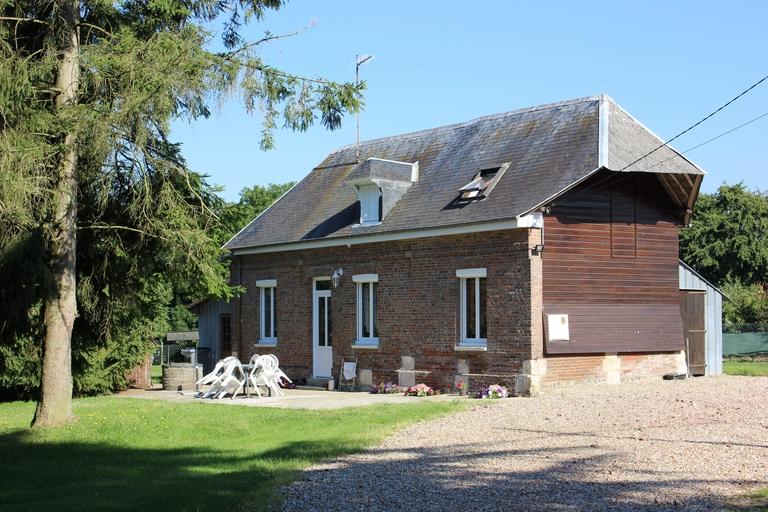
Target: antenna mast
column 359, row 61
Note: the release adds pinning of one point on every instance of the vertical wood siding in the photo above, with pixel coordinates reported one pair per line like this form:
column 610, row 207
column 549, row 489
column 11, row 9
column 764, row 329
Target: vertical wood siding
column 611, row 263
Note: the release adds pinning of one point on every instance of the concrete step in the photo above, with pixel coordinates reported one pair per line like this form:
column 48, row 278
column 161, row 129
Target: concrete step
column 317, row 383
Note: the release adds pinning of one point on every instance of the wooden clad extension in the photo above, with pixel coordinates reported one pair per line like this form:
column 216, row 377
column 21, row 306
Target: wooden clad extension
column 611, row 263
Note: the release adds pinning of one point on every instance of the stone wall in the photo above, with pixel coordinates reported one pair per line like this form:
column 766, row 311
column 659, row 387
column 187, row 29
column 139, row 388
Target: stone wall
column 418, row 304
column 181, row 375
column 611, row 368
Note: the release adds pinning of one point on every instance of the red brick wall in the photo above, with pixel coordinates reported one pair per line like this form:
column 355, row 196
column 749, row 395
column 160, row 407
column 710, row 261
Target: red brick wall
column 141, row 376
column 418, row 306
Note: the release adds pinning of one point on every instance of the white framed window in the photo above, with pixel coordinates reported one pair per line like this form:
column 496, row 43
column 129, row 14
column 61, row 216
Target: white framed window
column 370, row 204
column 472, row 297
column 267, row 311
column 367, row 309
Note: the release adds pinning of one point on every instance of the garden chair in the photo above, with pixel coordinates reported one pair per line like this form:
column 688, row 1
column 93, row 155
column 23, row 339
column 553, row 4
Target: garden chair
column 265, row 372
column 210, row 378
column 280, row 374
column 348, row 373
column 230, row 381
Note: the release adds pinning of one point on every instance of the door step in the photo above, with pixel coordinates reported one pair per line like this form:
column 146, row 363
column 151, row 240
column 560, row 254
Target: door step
column 317, row 383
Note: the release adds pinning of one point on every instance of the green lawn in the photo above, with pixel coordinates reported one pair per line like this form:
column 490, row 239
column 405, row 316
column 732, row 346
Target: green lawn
column 157, row 374
column 751, row 368
column 133, row 454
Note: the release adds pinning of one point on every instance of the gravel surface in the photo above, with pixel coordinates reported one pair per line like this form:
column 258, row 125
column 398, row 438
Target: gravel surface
column 679, row 445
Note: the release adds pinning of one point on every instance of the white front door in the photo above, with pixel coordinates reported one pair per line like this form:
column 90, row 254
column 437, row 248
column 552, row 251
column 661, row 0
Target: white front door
column 322, row 350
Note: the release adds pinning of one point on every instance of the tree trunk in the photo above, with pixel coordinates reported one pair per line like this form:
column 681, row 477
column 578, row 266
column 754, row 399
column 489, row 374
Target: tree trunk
column 55, row 405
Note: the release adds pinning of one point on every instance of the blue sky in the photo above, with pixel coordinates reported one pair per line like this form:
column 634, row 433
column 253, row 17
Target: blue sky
column 667, row 63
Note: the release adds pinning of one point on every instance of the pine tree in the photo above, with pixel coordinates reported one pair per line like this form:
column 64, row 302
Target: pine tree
column 89, row 179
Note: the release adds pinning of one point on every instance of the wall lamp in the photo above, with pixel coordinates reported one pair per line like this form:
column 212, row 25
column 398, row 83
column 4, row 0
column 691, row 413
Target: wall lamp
column 336, row 276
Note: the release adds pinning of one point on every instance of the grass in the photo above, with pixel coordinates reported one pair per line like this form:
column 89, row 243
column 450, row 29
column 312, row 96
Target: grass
column 133, row 454
column 157, row 374
column 750, row 368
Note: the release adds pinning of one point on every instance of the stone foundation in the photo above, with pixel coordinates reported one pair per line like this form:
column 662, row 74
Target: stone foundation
column 610, row 368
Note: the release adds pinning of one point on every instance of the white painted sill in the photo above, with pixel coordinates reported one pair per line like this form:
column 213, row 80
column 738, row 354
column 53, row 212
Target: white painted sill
column 266, row 343
column 470, row 348
column 365, row 346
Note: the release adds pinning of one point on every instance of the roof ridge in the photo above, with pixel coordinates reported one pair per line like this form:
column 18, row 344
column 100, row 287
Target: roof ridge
column 499, row 115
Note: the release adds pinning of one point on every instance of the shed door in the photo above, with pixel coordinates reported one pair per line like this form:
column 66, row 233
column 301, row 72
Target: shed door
column 694, row 330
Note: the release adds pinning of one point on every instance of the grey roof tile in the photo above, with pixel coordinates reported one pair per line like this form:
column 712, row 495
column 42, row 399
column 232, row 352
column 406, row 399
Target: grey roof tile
column 549, row 147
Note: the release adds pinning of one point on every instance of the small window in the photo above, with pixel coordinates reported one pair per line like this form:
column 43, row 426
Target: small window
column 473, row 295
column 370, row 204
column 225, row 334
column 367, row 309
column 481, row 184
column 267, row 310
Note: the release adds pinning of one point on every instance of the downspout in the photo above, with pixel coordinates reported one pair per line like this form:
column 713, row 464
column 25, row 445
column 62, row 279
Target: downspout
column 239, row 310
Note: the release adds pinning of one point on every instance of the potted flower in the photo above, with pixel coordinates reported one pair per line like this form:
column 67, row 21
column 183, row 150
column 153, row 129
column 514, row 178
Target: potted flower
column 493, row 391
column 419, row 390
column 461, row 387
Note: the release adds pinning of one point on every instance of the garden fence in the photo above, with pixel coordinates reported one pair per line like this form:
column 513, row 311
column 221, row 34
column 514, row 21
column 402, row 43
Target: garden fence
column 745, row 339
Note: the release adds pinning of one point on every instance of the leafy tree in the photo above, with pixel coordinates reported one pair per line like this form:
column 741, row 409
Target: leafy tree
column 727, row 242
column 728, row 236
column 253, row 201
column 746, row 303
column 95, row 198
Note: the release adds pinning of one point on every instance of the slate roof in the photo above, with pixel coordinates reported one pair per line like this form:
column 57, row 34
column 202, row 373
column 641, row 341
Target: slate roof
column 549, row 148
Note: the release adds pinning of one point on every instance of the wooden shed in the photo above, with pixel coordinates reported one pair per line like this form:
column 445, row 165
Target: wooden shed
column 215, row 327
column 701, row 308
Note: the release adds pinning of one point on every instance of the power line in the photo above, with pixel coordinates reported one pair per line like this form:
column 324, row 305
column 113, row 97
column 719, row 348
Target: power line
column 697, row 146
column 745, row 91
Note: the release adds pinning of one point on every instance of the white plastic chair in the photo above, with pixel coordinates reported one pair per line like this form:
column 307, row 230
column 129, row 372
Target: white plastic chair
column 230, row 380
column 265, row 372
column 280, row 374
column 216, row 373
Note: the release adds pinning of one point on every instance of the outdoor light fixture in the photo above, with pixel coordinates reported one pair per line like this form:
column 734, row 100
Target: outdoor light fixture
column 336, row 276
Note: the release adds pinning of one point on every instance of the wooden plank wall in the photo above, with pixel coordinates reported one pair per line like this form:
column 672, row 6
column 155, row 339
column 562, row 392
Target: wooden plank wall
column 611, row 263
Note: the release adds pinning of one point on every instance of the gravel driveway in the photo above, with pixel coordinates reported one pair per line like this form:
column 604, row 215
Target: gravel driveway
column 683, row 445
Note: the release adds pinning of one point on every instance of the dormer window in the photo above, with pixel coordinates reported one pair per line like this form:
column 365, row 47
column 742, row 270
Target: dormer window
column 482, row 183
column 370, row 204
column 379, row 184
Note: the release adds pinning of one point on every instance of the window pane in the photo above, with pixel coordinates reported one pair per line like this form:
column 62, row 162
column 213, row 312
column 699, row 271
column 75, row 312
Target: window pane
column 321, row 321
column 323, row 285
column 226, row 338
column 267, row 312
column 375, row 299
column 483, row 331
column 469, row 307
column 366, row 310
column 328, row 313
column 274, row 312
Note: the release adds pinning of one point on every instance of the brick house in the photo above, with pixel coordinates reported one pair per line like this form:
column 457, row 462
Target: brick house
column 527, row 248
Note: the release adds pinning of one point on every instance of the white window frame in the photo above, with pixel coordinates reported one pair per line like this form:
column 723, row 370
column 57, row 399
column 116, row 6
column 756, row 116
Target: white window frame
column 267, row 338
column 474, row 274
column 369, row 195
column 361, row 280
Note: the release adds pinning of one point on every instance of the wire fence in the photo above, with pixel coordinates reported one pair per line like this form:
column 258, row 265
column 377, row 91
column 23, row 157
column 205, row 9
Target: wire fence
column 745, row 339
column 168, row 353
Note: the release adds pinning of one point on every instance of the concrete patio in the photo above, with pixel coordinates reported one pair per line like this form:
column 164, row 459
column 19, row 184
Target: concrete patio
column 293, row 398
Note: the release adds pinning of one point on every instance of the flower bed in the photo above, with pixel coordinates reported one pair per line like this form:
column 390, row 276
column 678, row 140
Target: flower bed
column 420, row 390
column 386, row 388
column 493, row 391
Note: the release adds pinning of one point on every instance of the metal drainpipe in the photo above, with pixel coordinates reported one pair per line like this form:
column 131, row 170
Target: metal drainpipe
column 239, row 309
